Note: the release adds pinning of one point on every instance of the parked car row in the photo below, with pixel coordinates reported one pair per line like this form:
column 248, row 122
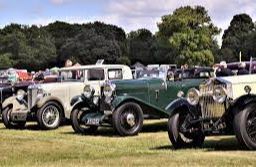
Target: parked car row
column 196, row 103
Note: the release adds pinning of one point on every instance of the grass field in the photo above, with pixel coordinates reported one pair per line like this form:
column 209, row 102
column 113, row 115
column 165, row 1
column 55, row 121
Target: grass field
column 61, row 147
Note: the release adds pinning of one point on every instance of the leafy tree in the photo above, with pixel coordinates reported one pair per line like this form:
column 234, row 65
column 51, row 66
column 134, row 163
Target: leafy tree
column 140, row 45
column 88, row 47
column 6, row 61
column 30, row 47
column 238, row 38
column 190, row 34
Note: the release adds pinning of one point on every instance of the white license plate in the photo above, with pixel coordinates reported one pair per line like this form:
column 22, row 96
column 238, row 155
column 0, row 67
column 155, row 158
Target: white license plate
column 93, row 121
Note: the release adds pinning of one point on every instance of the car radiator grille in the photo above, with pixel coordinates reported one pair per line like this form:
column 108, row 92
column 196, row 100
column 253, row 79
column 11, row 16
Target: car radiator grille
column 209, row 108
column 32, row 93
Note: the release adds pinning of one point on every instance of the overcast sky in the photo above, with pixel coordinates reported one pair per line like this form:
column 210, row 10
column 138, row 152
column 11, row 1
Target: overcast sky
column 128, row 14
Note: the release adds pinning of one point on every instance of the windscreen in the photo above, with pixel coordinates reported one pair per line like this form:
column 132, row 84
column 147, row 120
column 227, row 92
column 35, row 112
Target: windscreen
column 72, row 75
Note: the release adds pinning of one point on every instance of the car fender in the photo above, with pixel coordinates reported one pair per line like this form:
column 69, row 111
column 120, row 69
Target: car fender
column 75, row 100
column 242, row 101
column 45, row 99
column 179, row 103
column 119, row 100
column 12, row 101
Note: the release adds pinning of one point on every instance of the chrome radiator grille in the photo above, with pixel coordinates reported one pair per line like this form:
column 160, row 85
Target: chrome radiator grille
column 32, row 94
column 210, row 108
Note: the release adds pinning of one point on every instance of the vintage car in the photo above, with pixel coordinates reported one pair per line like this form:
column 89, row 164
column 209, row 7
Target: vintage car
column 9, row 90
column 221, row 106
column 125, row 104
column 49, row 103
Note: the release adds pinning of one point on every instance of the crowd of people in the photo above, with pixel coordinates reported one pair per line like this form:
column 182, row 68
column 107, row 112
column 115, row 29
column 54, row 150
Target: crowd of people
column 223, row 69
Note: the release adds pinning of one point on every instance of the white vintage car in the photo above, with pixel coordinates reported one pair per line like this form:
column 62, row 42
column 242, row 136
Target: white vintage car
column 221, row 106
column 49, row 104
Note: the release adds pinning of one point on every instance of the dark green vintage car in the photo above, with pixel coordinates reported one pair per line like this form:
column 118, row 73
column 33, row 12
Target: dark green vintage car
column 124, row 104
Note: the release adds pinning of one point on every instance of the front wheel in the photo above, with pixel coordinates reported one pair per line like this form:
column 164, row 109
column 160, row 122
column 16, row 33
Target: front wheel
column 128, row 119
column 49, row 116
column 179, row 133
column 245, row 127
column 6, row 115
column 78, row 125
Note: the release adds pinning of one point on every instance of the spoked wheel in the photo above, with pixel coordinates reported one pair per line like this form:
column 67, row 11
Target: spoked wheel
column 6, row 115
column 182, row 134
column 78, row 125
column 49, row 116
column 128, row 119
column 245, row 127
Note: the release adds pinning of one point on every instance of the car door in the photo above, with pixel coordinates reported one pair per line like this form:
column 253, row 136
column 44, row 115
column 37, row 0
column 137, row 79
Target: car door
column 163, row 92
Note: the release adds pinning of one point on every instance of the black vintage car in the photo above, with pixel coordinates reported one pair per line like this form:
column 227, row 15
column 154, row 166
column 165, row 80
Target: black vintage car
column 221, row 106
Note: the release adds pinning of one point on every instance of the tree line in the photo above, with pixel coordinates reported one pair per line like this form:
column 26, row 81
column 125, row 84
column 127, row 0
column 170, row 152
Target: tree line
column 186, row 36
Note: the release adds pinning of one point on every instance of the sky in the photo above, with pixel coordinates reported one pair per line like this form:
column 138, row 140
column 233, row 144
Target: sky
column 128, row 14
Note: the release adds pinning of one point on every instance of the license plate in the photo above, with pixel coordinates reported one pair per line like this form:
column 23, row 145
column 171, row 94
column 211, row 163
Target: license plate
column 93, row 121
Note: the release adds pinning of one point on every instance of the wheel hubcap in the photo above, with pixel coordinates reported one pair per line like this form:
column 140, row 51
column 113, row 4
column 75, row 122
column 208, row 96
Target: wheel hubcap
column 51, row 116
column 130, row 119
column 251, row 126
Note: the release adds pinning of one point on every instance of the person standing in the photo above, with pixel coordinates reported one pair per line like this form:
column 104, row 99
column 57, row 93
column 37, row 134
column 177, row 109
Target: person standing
column 223, row 70
column 242, row 69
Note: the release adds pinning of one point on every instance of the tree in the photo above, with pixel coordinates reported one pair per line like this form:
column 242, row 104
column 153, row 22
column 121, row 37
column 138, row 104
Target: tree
column 88, row 47
column 190, row 34
column 29, row 47
column 237, row 37
column 6, row 61
column 140, row 45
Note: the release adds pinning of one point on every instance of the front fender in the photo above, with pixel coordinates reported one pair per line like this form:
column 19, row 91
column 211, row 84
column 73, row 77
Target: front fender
column 242, row 101
column 9, row 101
column 83, row 101
column 75, row 100
column 180, row 103
column 12, row 101
column 45, row 99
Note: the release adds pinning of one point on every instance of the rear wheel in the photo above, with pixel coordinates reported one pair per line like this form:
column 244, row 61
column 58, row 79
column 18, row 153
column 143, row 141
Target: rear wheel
column 6, row 115
column 78, row 125
column 49, row 116
column 245, row 126
column 128, row 119
column 179, row 133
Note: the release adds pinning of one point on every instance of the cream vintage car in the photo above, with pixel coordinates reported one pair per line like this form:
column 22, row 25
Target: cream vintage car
column 221, row 106
column 49, row 104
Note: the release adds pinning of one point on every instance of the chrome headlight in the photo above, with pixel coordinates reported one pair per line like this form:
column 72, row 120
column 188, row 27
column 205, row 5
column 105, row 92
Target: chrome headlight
column 193, row 96
column 219, row 94
column 108, row 91
column 180, row 94
column 20, row 94
column 88, row 91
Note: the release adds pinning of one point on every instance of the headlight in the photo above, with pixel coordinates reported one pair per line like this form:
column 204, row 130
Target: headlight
column 193, row 96
column 109, row 89
column 88, row 90
column 219, row 94
column 247, row 89
column 180, row 94
column 20, row 94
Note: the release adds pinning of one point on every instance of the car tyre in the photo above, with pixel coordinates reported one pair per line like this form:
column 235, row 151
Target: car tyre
column 8, row 123
column 50, row 116
column 128, row 119
column 245, row 127
column 179, row 139
column 78, row 126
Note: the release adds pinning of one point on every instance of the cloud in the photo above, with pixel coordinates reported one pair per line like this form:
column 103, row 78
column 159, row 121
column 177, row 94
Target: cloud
column 134, row 14
column 58, row 2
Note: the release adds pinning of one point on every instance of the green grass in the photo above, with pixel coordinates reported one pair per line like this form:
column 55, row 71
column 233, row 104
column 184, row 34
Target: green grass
column 61, row 147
